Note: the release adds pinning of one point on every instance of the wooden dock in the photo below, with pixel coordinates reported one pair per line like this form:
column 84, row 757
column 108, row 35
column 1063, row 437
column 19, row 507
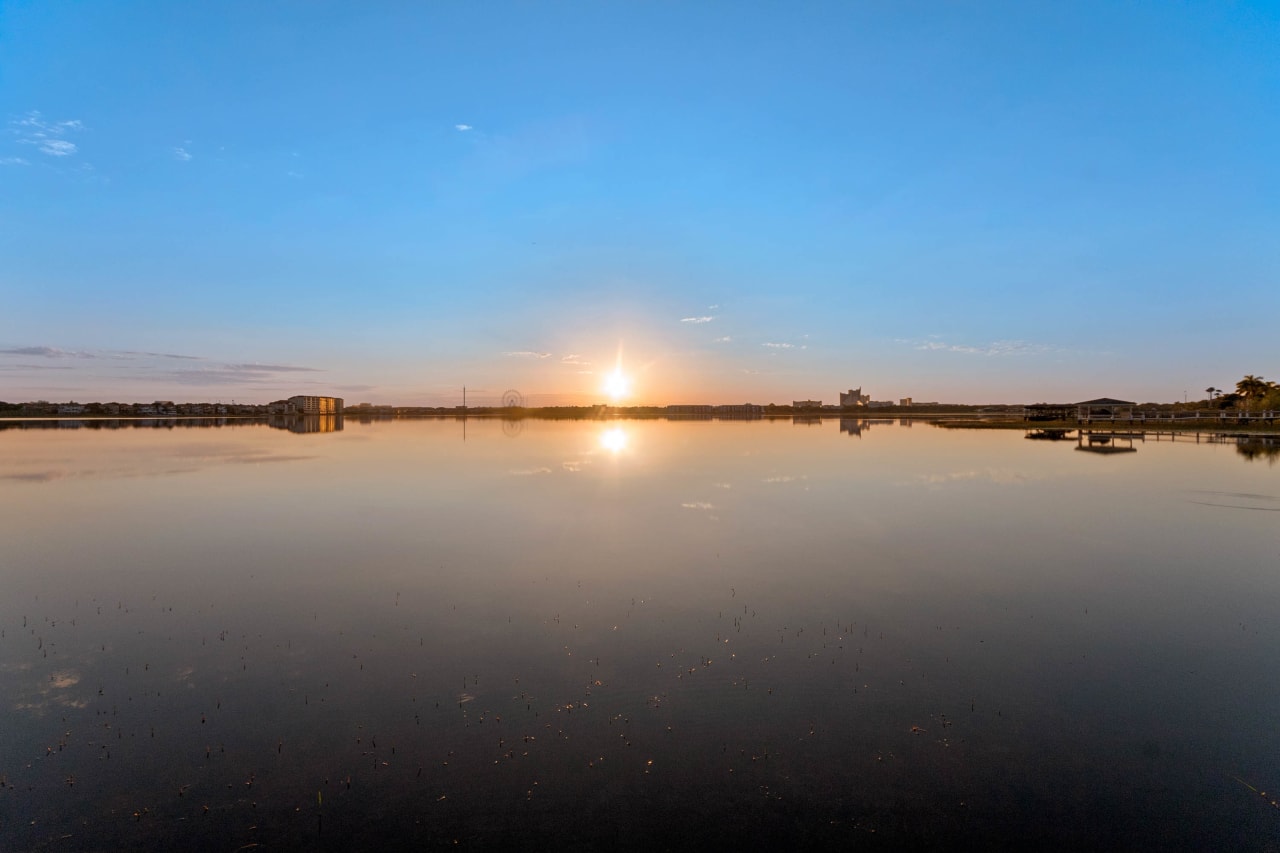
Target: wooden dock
column 1207, row 418
column 1082, row 415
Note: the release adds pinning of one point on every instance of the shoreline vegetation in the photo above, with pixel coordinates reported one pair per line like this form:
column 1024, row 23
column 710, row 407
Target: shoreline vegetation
column 1254, row 406
column 970, row 419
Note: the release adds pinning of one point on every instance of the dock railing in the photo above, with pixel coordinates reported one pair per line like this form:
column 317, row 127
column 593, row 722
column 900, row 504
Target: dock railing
column 1224, row 416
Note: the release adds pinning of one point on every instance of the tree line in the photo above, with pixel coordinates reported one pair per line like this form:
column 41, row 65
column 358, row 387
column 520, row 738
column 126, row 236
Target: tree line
column 1252, row 392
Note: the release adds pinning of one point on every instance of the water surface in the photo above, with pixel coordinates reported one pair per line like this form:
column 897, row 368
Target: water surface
column 635, row 634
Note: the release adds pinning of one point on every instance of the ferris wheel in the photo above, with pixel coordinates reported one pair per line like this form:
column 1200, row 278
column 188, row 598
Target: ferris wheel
column 512, row 399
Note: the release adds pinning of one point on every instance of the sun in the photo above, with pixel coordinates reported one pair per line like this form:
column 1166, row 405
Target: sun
column 617, row 385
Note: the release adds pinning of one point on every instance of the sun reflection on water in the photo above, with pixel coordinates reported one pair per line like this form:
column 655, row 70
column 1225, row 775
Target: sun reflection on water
column 614, row 440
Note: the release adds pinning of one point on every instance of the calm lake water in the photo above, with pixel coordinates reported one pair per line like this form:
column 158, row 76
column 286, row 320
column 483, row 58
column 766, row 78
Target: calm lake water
column 636, row 634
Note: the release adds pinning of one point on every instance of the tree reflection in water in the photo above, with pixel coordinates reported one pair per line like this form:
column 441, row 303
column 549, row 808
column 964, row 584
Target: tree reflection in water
column 1259, row 447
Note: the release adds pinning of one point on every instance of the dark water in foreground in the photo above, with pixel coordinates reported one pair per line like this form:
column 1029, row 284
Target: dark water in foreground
column 635, row 634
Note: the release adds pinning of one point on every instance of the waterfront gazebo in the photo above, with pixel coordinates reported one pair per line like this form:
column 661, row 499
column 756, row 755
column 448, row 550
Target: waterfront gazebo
column 1104, row 407
column 1047, row 412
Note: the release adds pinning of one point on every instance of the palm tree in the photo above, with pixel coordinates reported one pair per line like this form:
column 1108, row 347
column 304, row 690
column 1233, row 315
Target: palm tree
column 1212, row 392
column 1250, row 387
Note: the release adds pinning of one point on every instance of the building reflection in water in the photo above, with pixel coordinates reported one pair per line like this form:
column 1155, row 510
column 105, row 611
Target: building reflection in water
column 1105, row 442
column 857, row 426
column 306, row 423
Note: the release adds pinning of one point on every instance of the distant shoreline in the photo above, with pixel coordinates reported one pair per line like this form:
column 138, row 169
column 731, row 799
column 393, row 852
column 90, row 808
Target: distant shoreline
column 946, row 420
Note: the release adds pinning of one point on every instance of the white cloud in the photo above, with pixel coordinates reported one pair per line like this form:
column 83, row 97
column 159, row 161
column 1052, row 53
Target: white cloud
column 13, row 161
column 698, row 505
column 994, row 348
column 726, row 339
column 772, row 345
column 181, row 153
column 46, row 136
column 696, row 320
column 527, row 354
column 574, row 358
column 56, row 147
column 462, row 127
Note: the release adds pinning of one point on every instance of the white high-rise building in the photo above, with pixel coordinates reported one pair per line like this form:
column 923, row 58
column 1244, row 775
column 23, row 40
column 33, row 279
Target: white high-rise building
column 316, row 405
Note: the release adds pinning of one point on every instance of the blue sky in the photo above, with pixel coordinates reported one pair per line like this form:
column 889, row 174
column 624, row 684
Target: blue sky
column 734, row 201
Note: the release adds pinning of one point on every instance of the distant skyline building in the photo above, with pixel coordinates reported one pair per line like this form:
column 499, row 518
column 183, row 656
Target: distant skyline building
column 854, row 397
column 305, row 405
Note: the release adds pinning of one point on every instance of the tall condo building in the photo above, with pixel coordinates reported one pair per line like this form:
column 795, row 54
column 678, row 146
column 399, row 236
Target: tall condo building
column 316, row 405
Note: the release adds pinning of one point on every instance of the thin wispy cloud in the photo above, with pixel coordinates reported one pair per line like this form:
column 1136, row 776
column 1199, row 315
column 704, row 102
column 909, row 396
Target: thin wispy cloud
column 774, row 345
column 157, row 368
column 703, row 505
column 274, row 368
column 726, row 339
column 13, row 161
column 57, row 147
column 697, row 320
column 35, row 477
column 46, row 352
column 48, row 137
column 182, row 154
column 995, row 348
column 58, row 353
column 574, row 358
column 162, row 355
column 463, row 127
column 527, row 354
column 36, row 367
column 234, row 374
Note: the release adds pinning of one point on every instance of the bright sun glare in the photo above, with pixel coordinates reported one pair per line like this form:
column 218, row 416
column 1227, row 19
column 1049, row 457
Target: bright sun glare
column 617, row 385
column 614, row 440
